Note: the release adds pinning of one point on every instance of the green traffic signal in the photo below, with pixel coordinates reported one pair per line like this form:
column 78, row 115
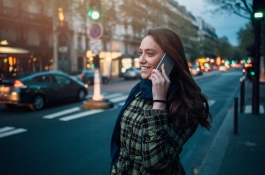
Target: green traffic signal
column 252, row 73
column 94, row 14
column 258, row 15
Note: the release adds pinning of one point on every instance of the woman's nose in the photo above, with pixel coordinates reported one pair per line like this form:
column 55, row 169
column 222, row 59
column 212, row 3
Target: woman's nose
column 142, row 59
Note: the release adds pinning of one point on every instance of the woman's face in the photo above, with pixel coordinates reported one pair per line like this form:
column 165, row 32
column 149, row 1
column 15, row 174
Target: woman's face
column 150, row 55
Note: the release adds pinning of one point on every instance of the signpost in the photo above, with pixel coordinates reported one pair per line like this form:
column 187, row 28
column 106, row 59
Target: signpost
column 95, row 33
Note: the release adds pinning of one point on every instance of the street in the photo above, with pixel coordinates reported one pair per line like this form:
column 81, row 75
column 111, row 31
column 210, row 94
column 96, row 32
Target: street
column 65, row 139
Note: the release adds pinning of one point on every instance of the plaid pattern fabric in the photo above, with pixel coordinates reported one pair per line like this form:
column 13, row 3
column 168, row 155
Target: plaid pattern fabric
column 150, row 143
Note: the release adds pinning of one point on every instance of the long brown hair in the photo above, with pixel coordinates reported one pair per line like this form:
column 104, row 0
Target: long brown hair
column 187, row 103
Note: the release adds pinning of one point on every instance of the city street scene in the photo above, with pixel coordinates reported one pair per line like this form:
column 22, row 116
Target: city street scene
column 67, row 68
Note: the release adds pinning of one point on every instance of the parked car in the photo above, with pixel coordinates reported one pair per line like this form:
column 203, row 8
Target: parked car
column 222, row 68
column 37, row 89
column 87, row 76
column 195, row 70
column 132, row 73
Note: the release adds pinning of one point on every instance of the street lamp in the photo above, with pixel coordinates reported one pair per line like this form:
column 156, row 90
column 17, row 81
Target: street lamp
column 258, row 8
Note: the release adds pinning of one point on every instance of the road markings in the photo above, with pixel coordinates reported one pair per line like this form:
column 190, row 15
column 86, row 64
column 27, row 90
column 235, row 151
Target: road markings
column 113, row 95
column 211, row 102
column 248, row 109
column 118, row 99
column 121, row 103
column 79, row 115
column 58, row 114
column 8, row 131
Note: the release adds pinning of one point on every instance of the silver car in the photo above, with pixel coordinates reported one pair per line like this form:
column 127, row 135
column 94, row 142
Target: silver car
column 132, row 73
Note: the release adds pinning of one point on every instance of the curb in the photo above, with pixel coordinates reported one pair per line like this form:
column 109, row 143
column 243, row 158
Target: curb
column 213, row 159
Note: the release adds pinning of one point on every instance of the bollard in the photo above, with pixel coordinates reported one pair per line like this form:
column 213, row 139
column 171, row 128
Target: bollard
column 235, row 115
column 242, row 94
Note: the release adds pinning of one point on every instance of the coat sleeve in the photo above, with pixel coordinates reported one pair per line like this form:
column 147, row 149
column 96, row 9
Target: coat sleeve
column 162, row 141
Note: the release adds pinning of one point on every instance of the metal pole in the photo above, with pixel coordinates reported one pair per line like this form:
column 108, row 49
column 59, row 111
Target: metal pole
column 235, row 115
column 256, row 63
column 55, row 44
column 242, row 94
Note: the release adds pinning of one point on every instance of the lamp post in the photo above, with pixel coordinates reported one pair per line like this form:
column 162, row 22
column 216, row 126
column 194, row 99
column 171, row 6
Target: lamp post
column 258, row 8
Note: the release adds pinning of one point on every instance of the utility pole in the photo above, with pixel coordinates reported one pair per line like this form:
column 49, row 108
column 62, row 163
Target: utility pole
column 55, row 43
column 258, row 11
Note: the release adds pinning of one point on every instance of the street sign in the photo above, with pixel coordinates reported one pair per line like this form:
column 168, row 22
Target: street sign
column 95, row 46
column 95, row 31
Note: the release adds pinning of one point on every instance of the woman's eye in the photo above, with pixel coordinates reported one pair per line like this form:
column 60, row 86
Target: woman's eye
column 140, row 53
column 150, row 54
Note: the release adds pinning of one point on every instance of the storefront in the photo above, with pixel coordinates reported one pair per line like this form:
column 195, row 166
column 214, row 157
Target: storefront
column 13, row 60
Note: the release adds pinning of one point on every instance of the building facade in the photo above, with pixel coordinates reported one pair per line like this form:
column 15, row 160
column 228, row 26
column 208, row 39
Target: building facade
column 57, row 35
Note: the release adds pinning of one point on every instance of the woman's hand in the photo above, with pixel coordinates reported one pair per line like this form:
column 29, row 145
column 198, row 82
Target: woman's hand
column 160, row 85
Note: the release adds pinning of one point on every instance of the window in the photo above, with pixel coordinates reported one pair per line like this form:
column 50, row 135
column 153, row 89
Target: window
column 42, row 79
column 62, row 80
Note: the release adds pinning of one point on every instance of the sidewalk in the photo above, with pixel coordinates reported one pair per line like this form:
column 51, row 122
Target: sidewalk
column 243, row 153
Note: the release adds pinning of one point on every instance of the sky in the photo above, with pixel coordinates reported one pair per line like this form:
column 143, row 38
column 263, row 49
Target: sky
column 224, row 25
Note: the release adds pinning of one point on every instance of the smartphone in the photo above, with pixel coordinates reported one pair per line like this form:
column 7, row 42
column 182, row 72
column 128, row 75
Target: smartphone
column 168, row 63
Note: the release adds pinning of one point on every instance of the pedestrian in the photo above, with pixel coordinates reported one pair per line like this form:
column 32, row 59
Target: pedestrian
column 161, row 112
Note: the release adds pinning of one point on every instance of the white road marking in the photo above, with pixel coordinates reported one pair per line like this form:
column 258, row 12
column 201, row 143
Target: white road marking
column 261, row 109
column 211, row 102
column 248, row 109
column 12, row 132
column 58, row 114
column 79, row 115
column 121, row 103
column 112, row 95
column 118, row 99
column 7, row 128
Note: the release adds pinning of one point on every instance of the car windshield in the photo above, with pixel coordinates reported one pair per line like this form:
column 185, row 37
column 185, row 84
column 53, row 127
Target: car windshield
column 88, row 72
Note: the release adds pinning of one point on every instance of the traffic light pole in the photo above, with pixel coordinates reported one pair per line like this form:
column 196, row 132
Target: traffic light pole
column 256, row 64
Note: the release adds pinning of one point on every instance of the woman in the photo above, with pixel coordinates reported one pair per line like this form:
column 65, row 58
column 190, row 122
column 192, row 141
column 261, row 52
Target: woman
column 161, row 113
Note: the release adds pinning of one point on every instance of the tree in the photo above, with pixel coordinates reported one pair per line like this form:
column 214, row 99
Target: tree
column 225, row 50
column 245, row 38
column 242, row 8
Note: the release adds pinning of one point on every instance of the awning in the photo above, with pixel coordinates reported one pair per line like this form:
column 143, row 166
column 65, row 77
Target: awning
column 14, row 52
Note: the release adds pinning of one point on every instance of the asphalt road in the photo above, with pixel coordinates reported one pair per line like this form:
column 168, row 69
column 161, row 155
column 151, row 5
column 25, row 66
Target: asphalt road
column 65, row 139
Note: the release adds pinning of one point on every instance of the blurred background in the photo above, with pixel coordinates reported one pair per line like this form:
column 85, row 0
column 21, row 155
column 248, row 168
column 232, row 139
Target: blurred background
column 72, row 35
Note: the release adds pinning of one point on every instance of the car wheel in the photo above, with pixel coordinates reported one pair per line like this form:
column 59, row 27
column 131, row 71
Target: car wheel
column 81, row 95
column 37, row 103
column 10, row 106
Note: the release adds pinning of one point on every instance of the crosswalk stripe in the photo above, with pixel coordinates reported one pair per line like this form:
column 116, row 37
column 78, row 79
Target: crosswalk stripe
column 7, row 128
column 121, row 103
column 261, row 109
column 58, row 114
column 248, row 109
column 79, row 115
column 16, row 131
column 112, row 95
column 118, row 99
column 211, row 102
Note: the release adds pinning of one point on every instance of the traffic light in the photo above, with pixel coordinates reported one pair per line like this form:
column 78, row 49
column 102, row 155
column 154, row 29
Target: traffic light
column 94, row 14
column 258, row 15
column 258, row 9
column 95, row 8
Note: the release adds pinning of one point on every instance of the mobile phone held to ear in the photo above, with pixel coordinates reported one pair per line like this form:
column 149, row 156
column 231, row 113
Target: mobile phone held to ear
column 168, row 63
